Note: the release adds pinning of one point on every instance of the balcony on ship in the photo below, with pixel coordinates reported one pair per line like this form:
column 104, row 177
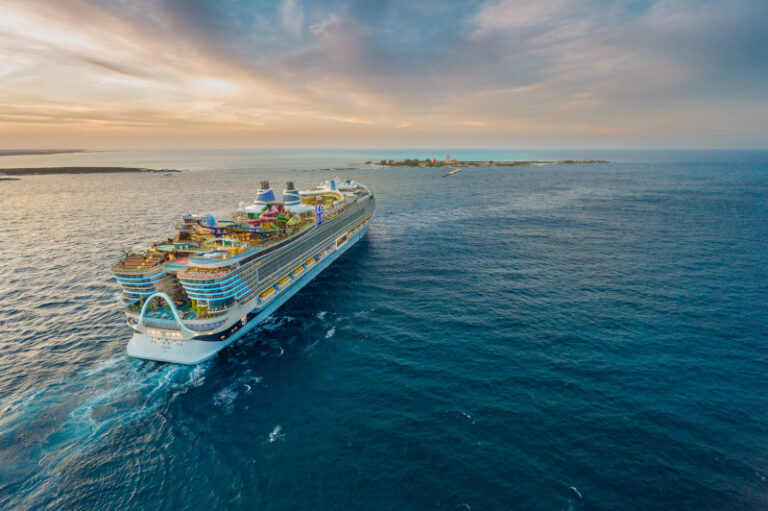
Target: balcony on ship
column 216, row 293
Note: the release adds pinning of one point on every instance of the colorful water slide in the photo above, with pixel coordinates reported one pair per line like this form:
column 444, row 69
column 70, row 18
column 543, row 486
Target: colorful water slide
column 270, row 215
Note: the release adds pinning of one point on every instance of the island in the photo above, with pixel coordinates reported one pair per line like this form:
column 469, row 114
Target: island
column 477, row 163
column 30, row 152
column 30, row 171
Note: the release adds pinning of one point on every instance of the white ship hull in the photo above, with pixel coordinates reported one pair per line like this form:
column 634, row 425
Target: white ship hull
column 193, row 351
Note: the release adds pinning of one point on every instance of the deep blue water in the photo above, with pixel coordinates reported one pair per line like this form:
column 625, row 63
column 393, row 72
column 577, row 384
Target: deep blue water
column 553, row 338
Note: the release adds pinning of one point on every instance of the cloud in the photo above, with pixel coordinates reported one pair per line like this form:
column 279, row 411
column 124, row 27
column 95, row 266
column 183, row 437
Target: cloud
column 601, row 71
column 292, row 17
column 515, row 14
column 327, row 27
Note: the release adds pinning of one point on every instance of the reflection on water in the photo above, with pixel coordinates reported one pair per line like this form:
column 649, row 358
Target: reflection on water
column 585, row 337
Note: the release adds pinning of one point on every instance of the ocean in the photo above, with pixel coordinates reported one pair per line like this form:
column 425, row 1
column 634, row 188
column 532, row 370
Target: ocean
column 575, row 337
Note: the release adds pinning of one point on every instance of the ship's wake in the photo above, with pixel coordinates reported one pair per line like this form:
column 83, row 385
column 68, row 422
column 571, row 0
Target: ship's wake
column 44, row 432
column 43, row 429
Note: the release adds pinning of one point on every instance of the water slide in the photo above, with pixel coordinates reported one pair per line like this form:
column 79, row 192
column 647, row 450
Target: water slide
column 232, row 227
column 269, row 215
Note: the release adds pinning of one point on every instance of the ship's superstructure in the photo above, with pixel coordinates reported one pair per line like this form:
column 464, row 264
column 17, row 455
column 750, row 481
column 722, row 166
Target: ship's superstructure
column 189, row 296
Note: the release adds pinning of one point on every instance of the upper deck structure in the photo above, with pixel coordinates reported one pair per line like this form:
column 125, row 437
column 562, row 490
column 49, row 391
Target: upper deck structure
column 213, row 277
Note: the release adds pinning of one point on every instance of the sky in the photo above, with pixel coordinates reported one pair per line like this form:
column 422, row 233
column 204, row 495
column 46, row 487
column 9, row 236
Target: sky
column 384, row 73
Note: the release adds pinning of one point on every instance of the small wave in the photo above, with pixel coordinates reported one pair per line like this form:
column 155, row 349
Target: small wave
column 197, row 376
column 575, row 490
column 321, row 315
column 330, row 333
column 273, row 323
column 20, row 402
column 459, row 413
column 276, row 434
column 251, row 382
column 104, row 365
column 67, row 419
column 225, row 398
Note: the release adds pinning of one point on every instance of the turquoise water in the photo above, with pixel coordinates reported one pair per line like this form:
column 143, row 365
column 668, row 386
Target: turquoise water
column 565, row 337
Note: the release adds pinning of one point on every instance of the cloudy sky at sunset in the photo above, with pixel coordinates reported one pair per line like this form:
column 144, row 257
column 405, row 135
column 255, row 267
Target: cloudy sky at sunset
column 400, row 73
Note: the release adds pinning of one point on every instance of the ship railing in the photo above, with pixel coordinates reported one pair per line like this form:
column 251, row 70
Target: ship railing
column 203, row 274
column 132, row 271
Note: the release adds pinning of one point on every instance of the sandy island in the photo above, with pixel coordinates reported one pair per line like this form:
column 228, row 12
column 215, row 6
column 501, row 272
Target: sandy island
column 31, row 171
column 22, row 152
column 478, row 163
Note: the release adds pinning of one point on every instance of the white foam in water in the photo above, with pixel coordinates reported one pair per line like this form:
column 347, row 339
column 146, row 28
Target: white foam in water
column 104, row 365
column 321, row 315
column 150, row 391
column 20, row 402
column 276, row 434
column 250, row 381
column 330, row 333
column 90, row 405
column 225, row 397
column 197, row 377
column 273, row 323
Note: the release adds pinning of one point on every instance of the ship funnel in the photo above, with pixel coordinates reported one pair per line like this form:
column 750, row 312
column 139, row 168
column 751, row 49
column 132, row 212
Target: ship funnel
column 264, row 195
column 291, row 195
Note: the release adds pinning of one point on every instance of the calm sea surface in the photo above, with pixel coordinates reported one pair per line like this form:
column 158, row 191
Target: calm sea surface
column 585, row 337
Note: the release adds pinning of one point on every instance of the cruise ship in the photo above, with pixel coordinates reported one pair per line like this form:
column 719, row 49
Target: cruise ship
column 189, row 296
